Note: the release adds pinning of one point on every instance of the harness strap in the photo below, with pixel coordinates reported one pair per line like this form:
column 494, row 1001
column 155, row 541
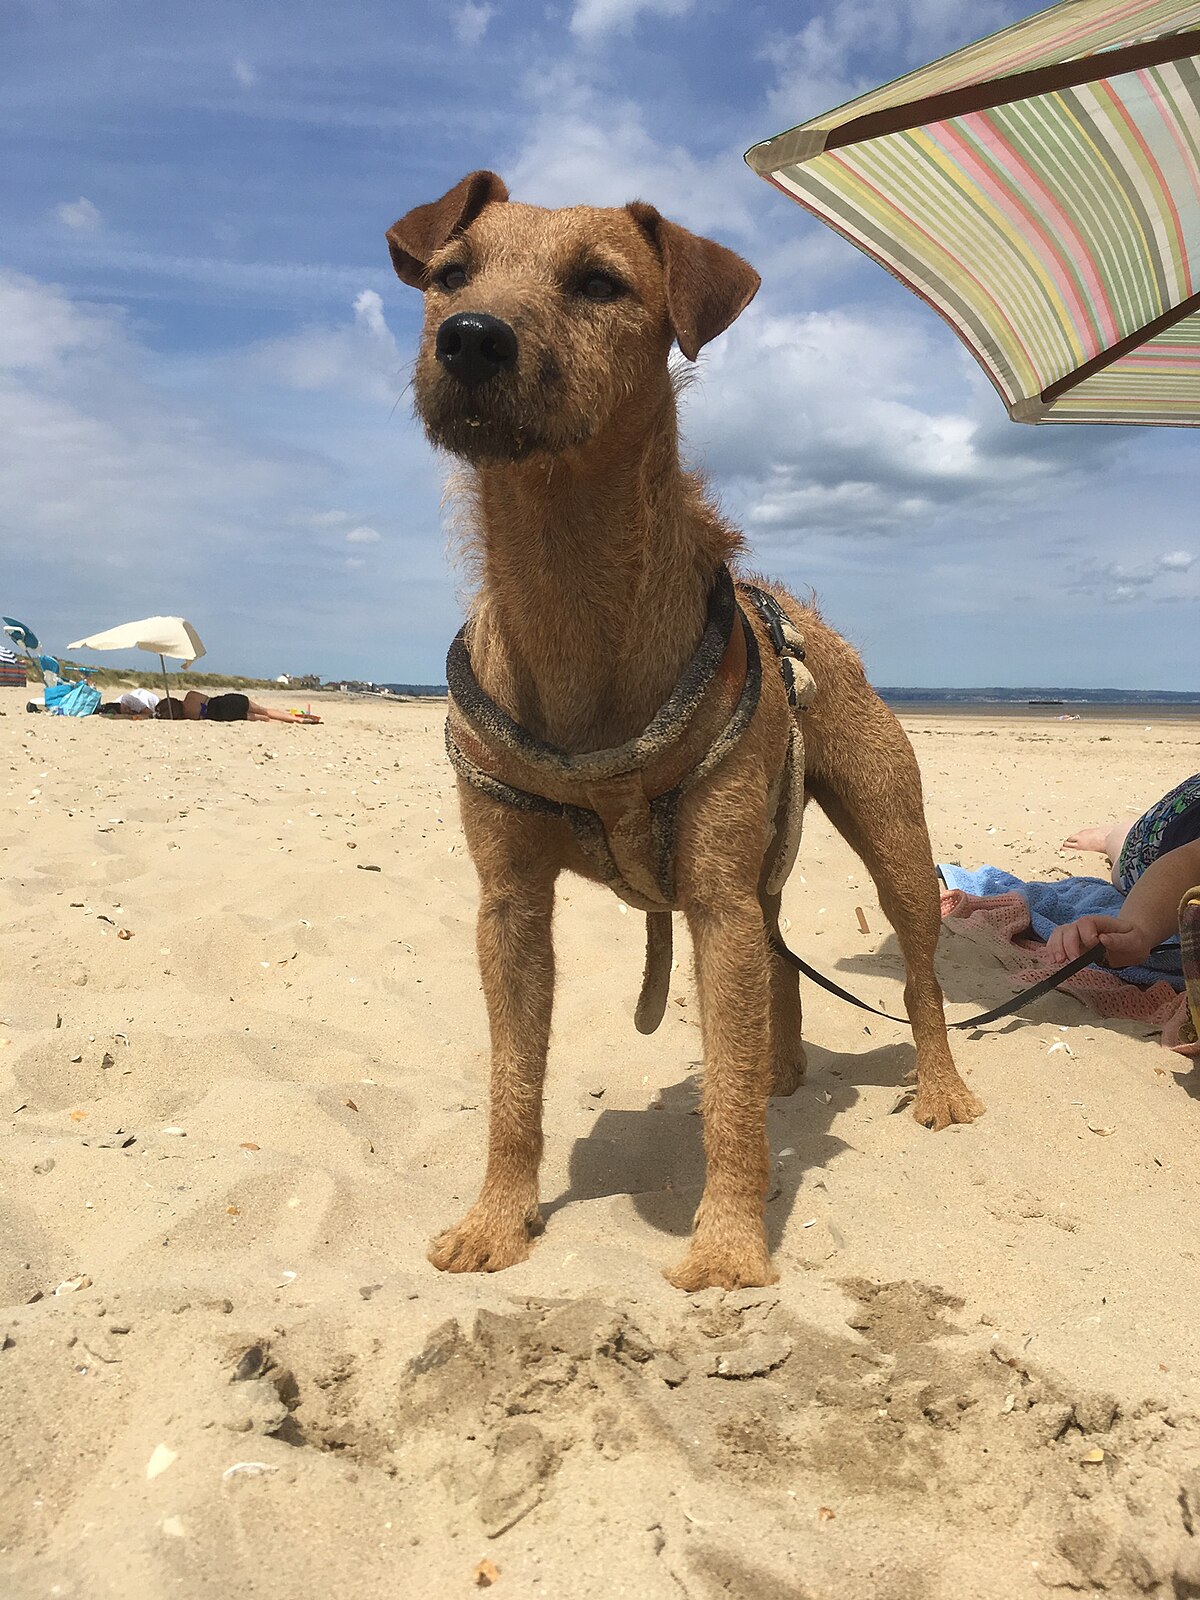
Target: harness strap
column 503, row 735
column 1034, row 992
column 656, row 978
column 621, row 804
column 787, row 642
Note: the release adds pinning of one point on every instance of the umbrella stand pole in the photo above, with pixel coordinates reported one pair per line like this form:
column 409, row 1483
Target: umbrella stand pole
column 166, row 684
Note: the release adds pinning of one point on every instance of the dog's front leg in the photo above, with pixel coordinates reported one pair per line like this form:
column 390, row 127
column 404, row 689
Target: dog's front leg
column 516, row 963
column 729, row 1245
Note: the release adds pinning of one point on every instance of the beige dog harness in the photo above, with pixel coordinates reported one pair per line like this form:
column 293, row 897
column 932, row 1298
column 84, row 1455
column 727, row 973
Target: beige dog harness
column 622, row 804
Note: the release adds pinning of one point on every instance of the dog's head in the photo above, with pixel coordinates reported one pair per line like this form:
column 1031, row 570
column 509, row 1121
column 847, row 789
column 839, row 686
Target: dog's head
column 542, row 328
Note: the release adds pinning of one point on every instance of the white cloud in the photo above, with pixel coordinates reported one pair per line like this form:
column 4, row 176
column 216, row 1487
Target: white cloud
column 353, row 563
column 1129, row 578
column 838, row 54
column 368, row 308
column 359, row 358
column 593, row 18
column 1122, row 582
column 40, row 326
column 134, row 482
column 820, row 421
column 280, row 282
column 81, row 215
column 363, row 535
column 95, row 447
column 582, row 145
column 470, row 22
column 244, row 73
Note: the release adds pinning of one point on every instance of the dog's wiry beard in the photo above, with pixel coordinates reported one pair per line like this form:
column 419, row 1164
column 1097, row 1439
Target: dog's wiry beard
column 480, row 442
column 502, row 425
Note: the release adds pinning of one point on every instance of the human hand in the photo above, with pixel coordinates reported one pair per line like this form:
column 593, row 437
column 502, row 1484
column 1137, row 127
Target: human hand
column 1125, row 943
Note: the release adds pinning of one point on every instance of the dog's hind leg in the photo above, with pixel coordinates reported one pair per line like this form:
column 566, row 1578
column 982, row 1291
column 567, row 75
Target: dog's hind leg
column 788, row 1061
column 873, row 799
column 516, row 961
column 860, row 769
column 729, row 1246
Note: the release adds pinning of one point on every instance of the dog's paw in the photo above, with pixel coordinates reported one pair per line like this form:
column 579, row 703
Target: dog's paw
column 789, row 1071
column 483, row 1243
column 941, row 1105
column 723, row 1267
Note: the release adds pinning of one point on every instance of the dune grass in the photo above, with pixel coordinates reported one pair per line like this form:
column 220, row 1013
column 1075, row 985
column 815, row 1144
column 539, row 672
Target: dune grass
column 123, row 678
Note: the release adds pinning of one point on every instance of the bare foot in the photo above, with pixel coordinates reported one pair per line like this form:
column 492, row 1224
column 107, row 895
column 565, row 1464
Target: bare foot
column 1089, row 838
column 484, row 1241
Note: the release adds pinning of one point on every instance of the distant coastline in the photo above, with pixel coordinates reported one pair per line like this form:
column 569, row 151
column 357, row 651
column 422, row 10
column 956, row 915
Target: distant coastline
column 1037, row 701
column 1046, row 696
column 1046, row 704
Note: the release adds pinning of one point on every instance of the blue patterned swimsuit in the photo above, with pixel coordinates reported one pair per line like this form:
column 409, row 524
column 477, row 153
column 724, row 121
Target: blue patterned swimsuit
column 1173, row 821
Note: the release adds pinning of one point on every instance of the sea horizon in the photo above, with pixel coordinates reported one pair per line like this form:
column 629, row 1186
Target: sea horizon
column 1033, row 698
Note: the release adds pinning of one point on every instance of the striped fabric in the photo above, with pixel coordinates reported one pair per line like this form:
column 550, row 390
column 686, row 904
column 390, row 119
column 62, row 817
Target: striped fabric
column 1160, row 383
column 12, row 672
column 1050, row 230
column 1063, row 33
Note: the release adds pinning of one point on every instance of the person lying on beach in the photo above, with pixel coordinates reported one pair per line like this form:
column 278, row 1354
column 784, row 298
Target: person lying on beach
column 133, row 703
column 197, row 707
column 1155, row 861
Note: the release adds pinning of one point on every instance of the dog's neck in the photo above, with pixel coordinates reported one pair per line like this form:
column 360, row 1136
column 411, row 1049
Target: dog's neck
column 597, row 567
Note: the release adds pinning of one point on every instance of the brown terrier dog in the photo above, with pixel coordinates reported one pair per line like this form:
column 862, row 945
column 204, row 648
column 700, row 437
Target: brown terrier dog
column 610, row 711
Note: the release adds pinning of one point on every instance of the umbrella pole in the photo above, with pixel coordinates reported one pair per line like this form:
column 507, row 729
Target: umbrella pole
column 166, row 684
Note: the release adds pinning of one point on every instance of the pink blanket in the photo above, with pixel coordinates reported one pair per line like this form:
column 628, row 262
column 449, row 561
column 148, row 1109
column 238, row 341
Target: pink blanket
column 1001, row 923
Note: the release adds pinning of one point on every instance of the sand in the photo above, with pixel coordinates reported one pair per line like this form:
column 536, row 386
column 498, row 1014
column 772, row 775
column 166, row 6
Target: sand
column 228, row 1137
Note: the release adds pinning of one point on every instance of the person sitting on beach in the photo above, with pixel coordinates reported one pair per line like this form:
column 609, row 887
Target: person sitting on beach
column 1155, row 861
column 197, row 707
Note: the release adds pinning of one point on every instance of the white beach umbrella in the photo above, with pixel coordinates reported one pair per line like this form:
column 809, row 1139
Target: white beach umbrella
column 162, row 636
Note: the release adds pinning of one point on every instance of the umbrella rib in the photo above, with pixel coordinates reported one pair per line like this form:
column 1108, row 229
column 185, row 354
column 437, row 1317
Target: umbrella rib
column 1123, row 347
column 1004, row 91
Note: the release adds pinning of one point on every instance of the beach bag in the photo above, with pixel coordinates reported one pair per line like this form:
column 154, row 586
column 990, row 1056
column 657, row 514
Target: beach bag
column 72, row 699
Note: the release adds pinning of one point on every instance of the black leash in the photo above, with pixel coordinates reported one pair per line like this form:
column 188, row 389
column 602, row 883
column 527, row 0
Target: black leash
column 1095, row 954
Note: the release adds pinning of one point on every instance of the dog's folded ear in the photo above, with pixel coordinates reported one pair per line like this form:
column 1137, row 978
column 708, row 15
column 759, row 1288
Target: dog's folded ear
column 708, row 286
column 426, row 229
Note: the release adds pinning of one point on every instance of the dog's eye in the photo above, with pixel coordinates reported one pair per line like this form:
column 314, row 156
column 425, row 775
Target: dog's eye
column 598, row 286
column 451, row 278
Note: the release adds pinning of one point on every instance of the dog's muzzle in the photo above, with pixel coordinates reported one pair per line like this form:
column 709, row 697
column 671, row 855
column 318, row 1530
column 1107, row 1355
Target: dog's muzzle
column 473, row 347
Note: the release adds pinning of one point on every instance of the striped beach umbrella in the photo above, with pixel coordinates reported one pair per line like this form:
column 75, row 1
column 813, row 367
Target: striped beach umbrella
column 1041, row 191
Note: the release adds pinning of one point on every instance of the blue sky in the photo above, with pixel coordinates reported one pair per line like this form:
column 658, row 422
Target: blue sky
column 204, row 351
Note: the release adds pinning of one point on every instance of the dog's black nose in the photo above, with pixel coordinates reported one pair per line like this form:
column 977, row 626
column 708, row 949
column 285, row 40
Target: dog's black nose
column 474, row 347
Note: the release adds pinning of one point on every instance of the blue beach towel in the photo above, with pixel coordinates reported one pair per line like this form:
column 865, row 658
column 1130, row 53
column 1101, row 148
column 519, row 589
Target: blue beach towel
column 1051, row 905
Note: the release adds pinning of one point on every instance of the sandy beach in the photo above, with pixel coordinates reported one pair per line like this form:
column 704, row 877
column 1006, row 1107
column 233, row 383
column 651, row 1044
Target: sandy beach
column 243, row 1080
